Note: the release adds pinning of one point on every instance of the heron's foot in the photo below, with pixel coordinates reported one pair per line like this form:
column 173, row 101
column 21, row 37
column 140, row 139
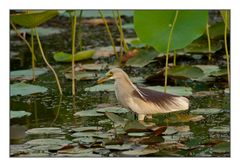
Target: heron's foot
column 141, row 117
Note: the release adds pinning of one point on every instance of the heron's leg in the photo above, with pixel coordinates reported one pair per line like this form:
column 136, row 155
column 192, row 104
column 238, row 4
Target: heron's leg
column 141, row 117
column 149, row 116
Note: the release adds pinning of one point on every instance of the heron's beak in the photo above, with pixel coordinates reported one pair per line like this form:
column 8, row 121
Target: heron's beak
column 103, row 79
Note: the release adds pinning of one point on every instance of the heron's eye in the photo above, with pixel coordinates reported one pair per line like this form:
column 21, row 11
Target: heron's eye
column 110, row 74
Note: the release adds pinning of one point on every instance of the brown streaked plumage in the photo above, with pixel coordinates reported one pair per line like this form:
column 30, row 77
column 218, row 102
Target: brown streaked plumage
column 142, row 101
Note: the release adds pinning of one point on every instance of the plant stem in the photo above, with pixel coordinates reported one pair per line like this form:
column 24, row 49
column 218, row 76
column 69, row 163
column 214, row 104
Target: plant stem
column 209, row 43
column 109, row 33
column 174, row 57
column 226, row 48
column 121, row 32
column 73, row 51
column 168, row 48
column 80, row 31
column 33, row 55
column 28, row 45
column 44, row 58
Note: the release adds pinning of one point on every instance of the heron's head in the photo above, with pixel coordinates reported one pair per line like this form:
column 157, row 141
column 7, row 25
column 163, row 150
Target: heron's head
column 115, row 73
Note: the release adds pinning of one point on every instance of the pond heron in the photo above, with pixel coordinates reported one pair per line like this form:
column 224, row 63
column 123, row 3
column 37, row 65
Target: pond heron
column 142, row 101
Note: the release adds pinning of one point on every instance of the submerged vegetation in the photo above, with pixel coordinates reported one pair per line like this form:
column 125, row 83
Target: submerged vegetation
column 182, row 52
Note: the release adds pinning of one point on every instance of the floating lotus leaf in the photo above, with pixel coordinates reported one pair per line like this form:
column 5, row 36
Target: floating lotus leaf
column 135, row 126
column 48, row 141
column 102, row 87
column 185, row 72
column 82, row 76
column 176, row 90
column 88, row 113
column 201, row 46
column 207, row 111
column 223, row 147
column 119, row 147
column 27, row 74
column 42, row 31
column 46, row 130
column 139, row 152
column 116, row 110
column 92, row 134
column 19, row 114
column 138, row 134
column 118, row 121
column 143, row 58
column 67, row 57
column 26, row 89
column 184, row 118
column 88, row 128
column 219, row 129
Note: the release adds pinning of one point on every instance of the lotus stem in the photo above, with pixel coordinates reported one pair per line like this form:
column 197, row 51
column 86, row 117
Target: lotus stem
column 73, row 51
column 226, row 47
column 45, row 60
column 209, row 43
column 33, row 55
column 168, row 48
column 109, row 33
column 174, row 57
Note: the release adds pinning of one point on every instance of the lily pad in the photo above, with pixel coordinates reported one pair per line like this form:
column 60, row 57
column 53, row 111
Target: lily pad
column 26, row 74
column 94, row 67
column 223, row 147
column 139, row 152
column 176, row 90
column 207, row 111
column 135, row 126
column 138, row 134
column 92, row 134
column 201, row 46
column 82, row 76
column 42, row 31
column 26, row 89
column 67, row 57
column 102, row 87
column 219, row 129
column 19, row 114
column 143, row 58
column 119, row 147
column 185, row 72
column 220, row 73
column 105, row 52
column 88, row 113
column 85, row 140
column 46, row 130
column 118, row 121
column 117, row 110
column 88, row 128
column 48, row 141
column 128, row 26
column 184, row 118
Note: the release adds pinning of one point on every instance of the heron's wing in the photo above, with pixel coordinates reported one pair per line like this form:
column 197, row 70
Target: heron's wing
column 164, row 101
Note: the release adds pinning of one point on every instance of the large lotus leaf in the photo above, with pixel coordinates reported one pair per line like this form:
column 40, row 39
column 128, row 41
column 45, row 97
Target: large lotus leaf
column 135, row 126
column 142, row 58
column 32, row 20
column 48, row 141
column 26, row 74
column 176, row 90
column 216, row 30
column 190, row 72
column 25, row 89
column 19, row 114
column 153, row 27
column 67, row 57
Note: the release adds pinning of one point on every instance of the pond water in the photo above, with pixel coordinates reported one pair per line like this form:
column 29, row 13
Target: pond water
column 54, row 128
